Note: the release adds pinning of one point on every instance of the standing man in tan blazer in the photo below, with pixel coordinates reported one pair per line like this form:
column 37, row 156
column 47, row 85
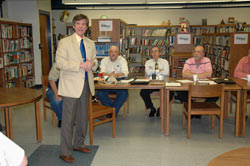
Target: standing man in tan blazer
column 76, row 59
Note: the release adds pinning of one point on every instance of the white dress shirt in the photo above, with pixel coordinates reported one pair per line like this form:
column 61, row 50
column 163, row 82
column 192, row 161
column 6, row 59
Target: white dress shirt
column 10, row 153
column 162, row 65
column 120, row 65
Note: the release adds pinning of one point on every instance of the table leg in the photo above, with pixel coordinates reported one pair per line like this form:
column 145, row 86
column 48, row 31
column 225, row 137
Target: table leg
column 6, row 116
column 237, row 114
column 10, row 124
column 226, row 105
column 38, row 121
column 168, row 113
column 244, row 109
column 162, row 109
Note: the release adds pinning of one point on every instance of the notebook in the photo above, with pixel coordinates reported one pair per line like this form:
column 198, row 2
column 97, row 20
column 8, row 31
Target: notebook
column 224, row 81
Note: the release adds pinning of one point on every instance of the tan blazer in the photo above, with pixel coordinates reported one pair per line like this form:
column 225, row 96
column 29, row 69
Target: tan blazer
column 68, row 58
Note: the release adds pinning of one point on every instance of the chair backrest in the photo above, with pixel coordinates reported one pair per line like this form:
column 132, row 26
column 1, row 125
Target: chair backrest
column 204, row 91
column 45, row 82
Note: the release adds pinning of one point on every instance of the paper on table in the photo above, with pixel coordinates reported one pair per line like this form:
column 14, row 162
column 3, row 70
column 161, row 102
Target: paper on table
column 244, row 78
column 173, row 84
column 207, row 82
column 185, row 81
column 126, row 81
column 142, row 80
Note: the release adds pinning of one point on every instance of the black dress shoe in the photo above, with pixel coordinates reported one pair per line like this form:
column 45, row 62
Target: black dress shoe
column 158, row 112
column 59, row 125
column 152, row 112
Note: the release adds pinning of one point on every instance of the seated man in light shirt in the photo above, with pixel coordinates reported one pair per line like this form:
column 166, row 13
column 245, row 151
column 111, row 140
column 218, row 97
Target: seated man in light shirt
column 10, row 153
column 52, row 93
column 116, row 66
column 157, row 66
column 243, row 67
column 199, row 65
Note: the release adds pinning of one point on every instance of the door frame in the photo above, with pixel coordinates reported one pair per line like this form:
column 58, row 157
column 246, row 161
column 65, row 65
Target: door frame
column 47, row 14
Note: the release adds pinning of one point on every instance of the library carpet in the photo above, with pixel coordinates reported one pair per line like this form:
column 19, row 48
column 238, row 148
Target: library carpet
column 49, row 155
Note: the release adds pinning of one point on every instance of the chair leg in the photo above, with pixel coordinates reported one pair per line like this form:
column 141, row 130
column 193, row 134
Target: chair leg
column 113, row 125
column 53, row 119
column 212, row 122
column 183, row 119
column 90, row 131
column 189, row 127
column 44, row 112
column 221, row 126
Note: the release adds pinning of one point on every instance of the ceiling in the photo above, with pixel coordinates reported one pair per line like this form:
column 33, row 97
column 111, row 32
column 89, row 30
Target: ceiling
column 145, row 4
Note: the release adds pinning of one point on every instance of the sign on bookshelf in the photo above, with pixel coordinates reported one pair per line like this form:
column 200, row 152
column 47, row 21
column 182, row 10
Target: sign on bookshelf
column 105, row 25
column 183, row 38
column 241, row 39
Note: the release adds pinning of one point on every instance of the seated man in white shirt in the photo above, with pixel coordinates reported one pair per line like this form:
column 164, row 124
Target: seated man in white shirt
column 11, row 153
column 157, row 66
column 116, row 66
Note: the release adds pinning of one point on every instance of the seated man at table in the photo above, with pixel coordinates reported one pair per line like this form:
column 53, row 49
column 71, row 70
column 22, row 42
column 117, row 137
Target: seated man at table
column 199, row 65
column 157, row 66
column 52, row 93
column 115, row 66
column 243, row 67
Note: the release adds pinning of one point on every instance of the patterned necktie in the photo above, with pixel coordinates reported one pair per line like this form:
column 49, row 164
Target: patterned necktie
column 83, row 52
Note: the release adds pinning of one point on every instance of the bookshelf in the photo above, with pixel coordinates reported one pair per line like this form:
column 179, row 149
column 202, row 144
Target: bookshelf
column 16, row 55
column 177, row 63
column 223, row 52
column 105, row 37
column 141, row 39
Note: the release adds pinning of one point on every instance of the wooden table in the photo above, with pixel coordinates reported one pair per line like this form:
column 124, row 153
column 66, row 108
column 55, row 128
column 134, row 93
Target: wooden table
column 161, row 87
column 10, row 97
column 239, row 157
column 245, row 85
column 184, row 87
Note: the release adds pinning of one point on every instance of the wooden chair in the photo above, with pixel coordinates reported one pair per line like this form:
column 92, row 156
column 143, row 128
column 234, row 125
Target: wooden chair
column 202, row 108
column 95, row 112
column 46, row 103
column 233, row 99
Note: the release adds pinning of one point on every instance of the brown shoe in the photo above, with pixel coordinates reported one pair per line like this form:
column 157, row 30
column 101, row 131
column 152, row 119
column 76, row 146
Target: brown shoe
column 68, row 159
column 84, row 150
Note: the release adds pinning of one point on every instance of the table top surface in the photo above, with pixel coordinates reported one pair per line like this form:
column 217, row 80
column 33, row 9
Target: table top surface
column 18, row 96
column 151, row 85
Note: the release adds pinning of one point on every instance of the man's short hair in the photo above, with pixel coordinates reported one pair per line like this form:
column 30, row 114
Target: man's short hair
column 80, row 17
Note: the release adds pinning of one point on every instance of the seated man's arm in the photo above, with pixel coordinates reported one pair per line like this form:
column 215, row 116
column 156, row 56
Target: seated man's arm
column 207, row 74
column 187, row 73
column 55, row 90
column 238, row 73
column 124, row 69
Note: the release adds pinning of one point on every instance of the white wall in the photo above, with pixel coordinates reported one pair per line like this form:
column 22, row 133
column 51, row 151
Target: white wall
column 156, row 17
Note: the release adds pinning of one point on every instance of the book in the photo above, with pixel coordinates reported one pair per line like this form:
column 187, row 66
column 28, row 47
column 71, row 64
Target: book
column 171, row 83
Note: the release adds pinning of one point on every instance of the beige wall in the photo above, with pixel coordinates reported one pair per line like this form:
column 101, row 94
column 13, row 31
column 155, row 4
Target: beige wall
column 155, row 17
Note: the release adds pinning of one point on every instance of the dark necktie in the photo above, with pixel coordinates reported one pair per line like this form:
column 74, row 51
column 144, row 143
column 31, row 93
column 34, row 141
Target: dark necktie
column 83, row 52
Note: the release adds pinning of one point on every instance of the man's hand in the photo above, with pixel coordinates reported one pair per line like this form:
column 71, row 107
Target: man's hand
column 87, row 65
column 113, row 74
column 58, row 98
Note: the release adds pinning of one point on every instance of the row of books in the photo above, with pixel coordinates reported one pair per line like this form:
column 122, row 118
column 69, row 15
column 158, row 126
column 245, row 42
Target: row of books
column 197, row 40
column 135, row 50
column 217, row 40
column 201, row 30
column 25, row 56
column 156, row 42
column 8, row 31
column 10, row 45
column 11, row 58
column 28, row 82
column 25, row 31
column 103, row 49
column 225, row 29
column 25, row 43
column 154, row 32
column 18, row 71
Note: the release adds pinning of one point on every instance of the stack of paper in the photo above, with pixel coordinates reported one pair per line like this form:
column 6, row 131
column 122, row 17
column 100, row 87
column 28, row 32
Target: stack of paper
column 173, row 84
column 126, row 81
column 207, row 82
column 141, row 80
column 185, row 81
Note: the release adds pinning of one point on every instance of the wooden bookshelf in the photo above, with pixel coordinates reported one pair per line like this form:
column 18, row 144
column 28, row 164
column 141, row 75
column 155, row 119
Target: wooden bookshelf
column 223, row 52
column 177, row 63
column 16, row 55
